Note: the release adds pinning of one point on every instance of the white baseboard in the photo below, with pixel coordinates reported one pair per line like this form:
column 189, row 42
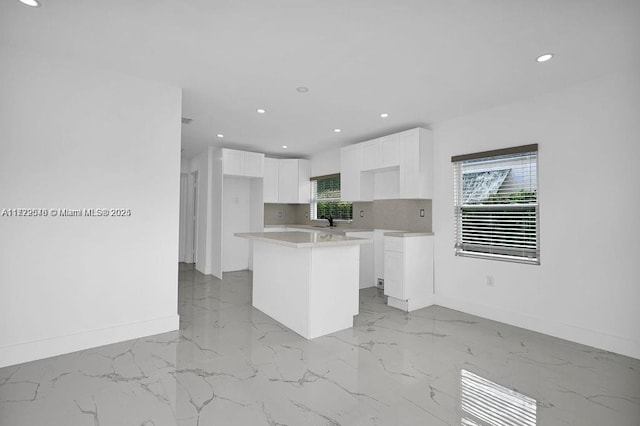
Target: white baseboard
column 31, row 351
column 409, row 305
column 584, row 336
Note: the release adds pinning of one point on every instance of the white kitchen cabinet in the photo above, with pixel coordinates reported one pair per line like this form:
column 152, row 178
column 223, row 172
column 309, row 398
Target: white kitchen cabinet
column 378, row 252
column 416, row 164
column 253, row 164
column 236, row 206
column 310, row 287
column 367, row 268
column 370, row 155
column 304, row 179
column 233, row 162
column 390, row 151
column 354, row 185
column 242, row 163
column 287, row 181
column 408, row 271
column 294, row 186
column 380, row 153
column 350, row 158
column 270, row 180
column 394, row 166
column 393, row 274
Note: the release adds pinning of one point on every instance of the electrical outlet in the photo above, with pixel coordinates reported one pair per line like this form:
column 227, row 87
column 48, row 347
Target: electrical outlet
column 421, row 212
column 361, row 213
column 380, row 283
column 490, row 281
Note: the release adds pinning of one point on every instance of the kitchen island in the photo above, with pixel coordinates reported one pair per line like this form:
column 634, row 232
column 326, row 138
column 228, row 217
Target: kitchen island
column 307, row 281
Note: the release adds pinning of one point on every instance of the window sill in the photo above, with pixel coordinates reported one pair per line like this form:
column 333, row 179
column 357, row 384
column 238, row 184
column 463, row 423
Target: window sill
column 500, row 257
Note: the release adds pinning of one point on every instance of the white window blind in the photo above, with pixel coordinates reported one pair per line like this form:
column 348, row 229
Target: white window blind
column 496, row 204
column 325, row 199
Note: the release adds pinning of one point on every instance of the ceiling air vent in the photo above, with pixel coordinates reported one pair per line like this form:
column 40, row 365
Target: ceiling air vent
column 186, row 120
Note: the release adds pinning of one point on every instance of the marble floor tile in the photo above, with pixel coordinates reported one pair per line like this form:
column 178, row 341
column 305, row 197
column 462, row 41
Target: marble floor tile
column 230, row 364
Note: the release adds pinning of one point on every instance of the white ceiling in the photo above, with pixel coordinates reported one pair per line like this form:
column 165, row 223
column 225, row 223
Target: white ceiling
column 422, row 61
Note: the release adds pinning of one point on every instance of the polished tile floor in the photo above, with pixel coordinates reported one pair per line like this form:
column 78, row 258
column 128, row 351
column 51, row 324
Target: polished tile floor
column 232, row 365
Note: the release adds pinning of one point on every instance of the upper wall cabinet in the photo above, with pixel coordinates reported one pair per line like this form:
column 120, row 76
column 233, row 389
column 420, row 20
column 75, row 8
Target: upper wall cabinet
column 370, row 157
column 390, row 151
column 394, row 166
column 381, row 153
column 270, row 182
column 287, row 181
column 294, row 185
column 242, row 163
column 354, row 185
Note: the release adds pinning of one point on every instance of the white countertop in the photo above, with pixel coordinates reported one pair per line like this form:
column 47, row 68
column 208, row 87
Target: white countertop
column 321, row 228
column 301, row 239
column 407, row 234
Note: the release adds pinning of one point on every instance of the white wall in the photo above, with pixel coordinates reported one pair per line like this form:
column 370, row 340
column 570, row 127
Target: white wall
column 587, row 288
column 185, row 165
column 74, row 137
column 325, row 163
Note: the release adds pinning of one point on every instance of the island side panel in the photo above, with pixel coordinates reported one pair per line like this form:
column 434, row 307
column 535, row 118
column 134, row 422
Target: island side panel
column 281, row 284
column 334, row 289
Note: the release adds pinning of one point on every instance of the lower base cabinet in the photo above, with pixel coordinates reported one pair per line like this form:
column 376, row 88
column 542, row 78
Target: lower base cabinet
column 367, row 278
column 408, row 270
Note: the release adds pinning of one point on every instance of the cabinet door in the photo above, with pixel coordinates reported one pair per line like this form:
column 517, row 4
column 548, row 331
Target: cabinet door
column 233, row 162
column 270, row 180
column 350, row 158
column 390, row 151
column 393, row 274
column 288, row 181
column 366, row 259
column 253, row 164
column 304, row 182
column 370, row 155
column 410, row 164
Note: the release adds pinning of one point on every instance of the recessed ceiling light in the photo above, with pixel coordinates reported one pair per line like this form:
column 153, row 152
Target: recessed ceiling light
column 261, row 111
column 545, row 57
column 284, row 147
column 384, row 115
column 32, row 3
column 337, row 130
column 302, row 89
column 220, row 135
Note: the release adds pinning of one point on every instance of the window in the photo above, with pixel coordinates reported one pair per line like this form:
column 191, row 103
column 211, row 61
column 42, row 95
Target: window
column 496, row 204
column 325, row 199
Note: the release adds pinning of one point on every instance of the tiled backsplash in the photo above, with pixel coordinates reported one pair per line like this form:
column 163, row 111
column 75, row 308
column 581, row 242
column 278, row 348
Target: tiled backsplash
column 381, row 214
column 280, row 214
